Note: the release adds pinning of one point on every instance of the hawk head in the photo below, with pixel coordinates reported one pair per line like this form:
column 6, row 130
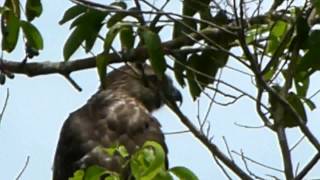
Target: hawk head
column 143, row 84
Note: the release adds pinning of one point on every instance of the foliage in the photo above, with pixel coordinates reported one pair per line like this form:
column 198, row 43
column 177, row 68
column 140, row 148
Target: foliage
column 147, row 163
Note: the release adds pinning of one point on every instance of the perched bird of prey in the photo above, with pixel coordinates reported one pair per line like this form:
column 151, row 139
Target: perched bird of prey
column 120, row 114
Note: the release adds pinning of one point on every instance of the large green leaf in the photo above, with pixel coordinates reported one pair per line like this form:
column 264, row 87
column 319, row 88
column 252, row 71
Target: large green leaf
column 88, row 26
column 288, row 119
column 156, row 56
column 183, row 173
column 32, row 35
column 111, row 34
column 94, row 173
column 127, row 37
column 191, row 73
column 276, row 34
column 78, row 175
column 33, row 9
column 9, row 30
column 101, row 63
column 72, row 12
column 310, row 62
column 73, row 42
column 148, row 161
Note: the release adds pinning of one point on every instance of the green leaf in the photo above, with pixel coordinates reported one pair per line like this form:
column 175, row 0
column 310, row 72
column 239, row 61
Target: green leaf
column 156, row 55
column 102, row 62
column 309, row 103
column 115, row 19
column 123, row 151
column 32, row 35
column 113, row 177
column 9, row 30
column 194, row 86
column 33, row 9
column 111, row 34
column 3, row 9
column 301, row 82
column 78, row 175
column 310, row 62
column 279, row 28
column 127, row 37
column 314, row 39
column 14, row 6
column 316, row 4
column 163, row 175
column 90, row 18
column 72, row 12
column 94, row 173
column 183, row 173
column 303, row 29
column 296, row 103
column 73, row 42
column 277, row 33
column 179, row 67
column 91, row 23
column 255, row 32
column 148, row 161
column 110, row 150
column 93, row 32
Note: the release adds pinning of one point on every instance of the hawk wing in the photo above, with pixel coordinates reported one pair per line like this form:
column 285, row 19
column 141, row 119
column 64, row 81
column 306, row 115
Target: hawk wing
column 104, row 121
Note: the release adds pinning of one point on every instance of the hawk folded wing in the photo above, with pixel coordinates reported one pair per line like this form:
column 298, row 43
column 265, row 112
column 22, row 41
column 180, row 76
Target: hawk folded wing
column 119, row 114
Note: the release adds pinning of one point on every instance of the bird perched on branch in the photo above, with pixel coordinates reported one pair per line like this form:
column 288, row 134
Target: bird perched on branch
column 118, row 114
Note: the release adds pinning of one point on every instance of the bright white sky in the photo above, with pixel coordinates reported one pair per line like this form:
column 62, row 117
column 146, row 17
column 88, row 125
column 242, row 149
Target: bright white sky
column 38, row 106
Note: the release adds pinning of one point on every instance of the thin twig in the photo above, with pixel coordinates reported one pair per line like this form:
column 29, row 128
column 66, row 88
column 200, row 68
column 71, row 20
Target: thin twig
column 24, row 168
column 297, row 143
column 72, row 82
column 227, row 146
column 214, row 150
column 176, row 132
column 4, row 105
column 258, row 163
column 222, row 168
column 248, row 127
column 247, row 167
column 308, row 167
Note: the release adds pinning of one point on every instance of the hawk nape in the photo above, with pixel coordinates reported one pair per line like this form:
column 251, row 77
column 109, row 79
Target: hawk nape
column 117, row 114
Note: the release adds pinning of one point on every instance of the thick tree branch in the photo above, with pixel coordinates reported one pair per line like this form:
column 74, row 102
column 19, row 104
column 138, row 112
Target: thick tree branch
column 138, row 54
column 285, row 151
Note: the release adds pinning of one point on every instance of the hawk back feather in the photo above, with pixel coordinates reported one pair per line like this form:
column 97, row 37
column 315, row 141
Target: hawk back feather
column 119, row 114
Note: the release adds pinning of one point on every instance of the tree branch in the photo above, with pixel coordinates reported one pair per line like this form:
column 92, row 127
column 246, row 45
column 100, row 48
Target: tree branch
column 137, row 55
column 214, row 150
column 285, row 151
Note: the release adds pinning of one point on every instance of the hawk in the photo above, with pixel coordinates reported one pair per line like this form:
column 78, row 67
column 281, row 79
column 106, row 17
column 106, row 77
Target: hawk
column 120, row 114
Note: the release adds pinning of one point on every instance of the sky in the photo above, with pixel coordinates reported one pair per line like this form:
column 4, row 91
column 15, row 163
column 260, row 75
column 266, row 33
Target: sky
column 39, row 105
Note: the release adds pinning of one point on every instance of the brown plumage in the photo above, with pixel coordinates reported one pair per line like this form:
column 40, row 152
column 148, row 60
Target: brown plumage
column 119, row 114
